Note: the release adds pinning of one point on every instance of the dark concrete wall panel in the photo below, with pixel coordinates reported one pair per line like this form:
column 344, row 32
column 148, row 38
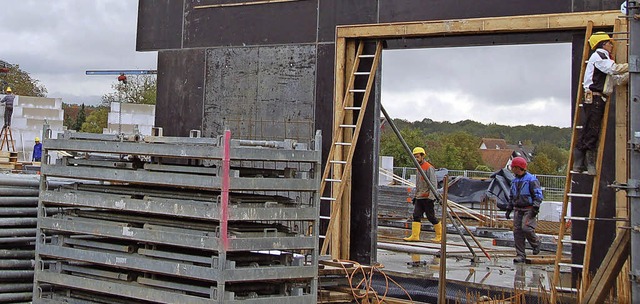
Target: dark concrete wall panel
column 159, row 25
column 344, row 12
column 411, row 10
column 180, row 91
column 596, row 5
column 261, row 92
column 324, row 94
column 263, row 24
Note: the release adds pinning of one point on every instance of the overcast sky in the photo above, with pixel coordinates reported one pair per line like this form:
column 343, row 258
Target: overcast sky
column 510, row 85
column 57, row 41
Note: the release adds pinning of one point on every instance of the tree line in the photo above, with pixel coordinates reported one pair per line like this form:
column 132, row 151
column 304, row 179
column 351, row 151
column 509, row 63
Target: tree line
column 456, row 145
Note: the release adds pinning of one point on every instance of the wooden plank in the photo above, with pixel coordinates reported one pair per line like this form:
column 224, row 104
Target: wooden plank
column 622, row 155
column 347, row 136
column 609, row 269
column 511, row 24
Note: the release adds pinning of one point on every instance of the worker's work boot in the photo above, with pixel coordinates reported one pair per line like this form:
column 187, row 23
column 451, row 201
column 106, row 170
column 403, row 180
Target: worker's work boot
column 591, row 162
column 578, row 161
column 438, row 228
column 536, row 249
column 415, row 232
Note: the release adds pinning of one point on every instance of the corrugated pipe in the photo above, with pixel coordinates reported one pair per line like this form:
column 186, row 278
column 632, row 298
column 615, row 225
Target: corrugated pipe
column 16, row 274
column 15, row 191
column 18, row 221
column 12, row 297
column 19, row 201
column 17, row 264
column 16, row 287
column 17, row 254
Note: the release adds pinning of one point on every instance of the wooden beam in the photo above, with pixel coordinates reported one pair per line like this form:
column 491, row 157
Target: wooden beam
column 623, row 285
column 609, row 269
column 512, row 24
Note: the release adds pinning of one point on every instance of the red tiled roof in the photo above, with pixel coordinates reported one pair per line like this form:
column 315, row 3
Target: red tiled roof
column 496, row 159
column 494, row 143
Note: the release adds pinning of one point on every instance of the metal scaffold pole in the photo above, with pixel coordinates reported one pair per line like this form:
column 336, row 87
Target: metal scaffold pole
column 634, row 160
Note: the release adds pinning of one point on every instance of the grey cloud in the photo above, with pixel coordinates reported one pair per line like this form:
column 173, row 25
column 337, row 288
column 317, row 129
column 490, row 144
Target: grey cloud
column 493, row 75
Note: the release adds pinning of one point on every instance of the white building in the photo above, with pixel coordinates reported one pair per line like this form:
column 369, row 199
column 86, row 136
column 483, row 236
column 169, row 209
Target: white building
column 29, row 116
column 124, row 117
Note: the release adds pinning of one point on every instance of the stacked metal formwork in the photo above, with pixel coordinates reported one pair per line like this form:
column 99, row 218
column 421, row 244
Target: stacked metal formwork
column 179, row 220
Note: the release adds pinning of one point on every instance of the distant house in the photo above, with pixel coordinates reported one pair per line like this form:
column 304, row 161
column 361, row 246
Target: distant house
column 522, row 151
column 493, row 144
column 496, row 154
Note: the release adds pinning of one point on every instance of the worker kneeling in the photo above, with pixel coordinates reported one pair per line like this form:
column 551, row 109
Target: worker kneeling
column 524, row 200
column 424, row 199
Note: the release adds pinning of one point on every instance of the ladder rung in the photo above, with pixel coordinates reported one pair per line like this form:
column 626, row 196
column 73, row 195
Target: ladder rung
column 566, row 289
column 579, row 127
column 366, row 56
column 576, row 172
column 357, row 90
column 353, row 108
column 322, row 217
column 576, row 218
column 342, row 162
column 322, row 236
column 362, row 73
column 325, row 198
column 571, row 265
column 575, row 242
column 343, row 144
column 347, row 126
column 579, row 194
column 333, row 180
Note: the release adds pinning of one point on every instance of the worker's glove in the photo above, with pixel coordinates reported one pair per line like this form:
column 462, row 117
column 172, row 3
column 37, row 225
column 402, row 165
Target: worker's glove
column 508, row 214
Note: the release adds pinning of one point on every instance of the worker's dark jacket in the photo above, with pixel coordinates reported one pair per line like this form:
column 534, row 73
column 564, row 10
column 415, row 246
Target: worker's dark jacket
column 525, row 192
column 37, row 152
column 8, row 100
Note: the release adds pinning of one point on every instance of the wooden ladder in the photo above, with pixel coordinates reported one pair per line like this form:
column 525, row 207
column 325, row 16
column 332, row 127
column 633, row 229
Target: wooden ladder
column 583, row 278
column 349, row 113
column 7, row 138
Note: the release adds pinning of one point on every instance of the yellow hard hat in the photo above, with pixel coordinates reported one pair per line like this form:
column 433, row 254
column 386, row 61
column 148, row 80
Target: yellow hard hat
column 419, row 150
column 597, row 38
column 37, row 138
column 8, row 89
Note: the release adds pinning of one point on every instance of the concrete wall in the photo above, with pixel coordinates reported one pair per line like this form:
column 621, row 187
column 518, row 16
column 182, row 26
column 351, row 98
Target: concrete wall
column 29, row 116
column 124, row 117
column 214, row 71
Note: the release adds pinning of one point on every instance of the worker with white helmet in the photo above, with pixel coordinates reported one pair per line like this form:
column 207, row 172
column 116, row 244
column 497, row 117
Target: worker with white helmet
column 525, row 199
column 37, row 151
column 8, row 109
column 601, row 75
column 424, row 199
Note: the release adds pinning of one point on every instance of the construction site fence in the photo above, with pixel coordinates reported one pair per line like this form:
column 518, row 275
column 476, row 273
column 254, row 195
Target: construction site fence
column 552, row 185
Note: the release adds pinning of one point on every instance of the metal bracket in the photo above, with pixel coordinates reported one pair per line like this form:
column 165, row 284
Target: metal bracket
column 632, row 187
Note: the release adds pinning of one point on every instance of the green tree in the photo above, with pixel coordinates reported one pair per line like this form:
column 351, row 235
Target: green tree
column 457, row 151
column 96, row 121
column 139, row 89
column 20, row 81
column 390, row 145
column 542, row 164
column 557, row 157
column 82, row 117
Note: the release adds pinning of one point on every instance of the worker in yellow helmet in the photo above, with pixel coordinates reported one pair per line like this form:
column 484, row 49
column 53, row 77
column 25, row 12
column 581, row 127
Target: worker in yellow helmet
column 8, row 109
column 37, row 151
column 424, row 199
column 601, row 75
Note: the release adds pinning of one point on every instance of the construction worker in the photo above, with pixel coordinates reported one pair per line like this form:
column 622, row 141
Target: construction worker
column 601, row 75
column 37, row 151
column 524, row 200
column 424, row 199
column 8, row 109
